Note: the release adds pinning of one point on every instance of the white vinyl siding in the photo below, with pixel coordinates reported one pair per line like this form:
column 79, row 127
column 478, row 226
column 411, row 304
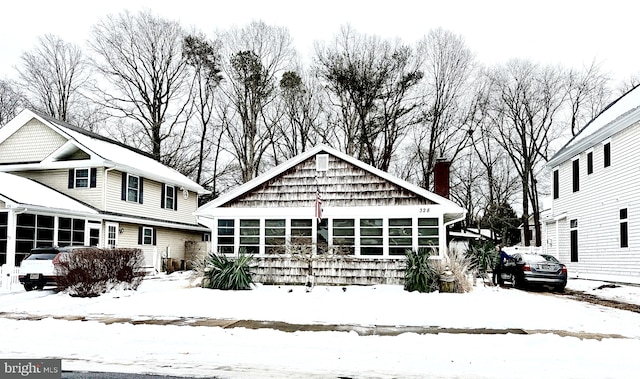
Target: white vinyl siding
column 597, row 208
column 150, row 207
column 59, row 180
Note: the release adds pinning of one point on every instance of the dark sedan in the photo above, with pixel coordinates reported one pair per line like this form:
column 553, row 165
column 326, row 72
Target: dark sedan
column 535, row 269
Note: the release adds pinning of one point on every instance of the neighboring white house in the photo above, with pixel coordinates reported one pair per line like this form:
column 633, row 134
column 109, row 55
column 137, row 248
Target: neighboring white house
column 331, row 202
column 62, row 185
column 594, row 223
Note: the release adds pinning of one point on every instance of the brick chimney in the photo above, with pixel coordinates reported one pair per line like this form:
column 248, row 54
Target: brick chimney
column 441, row 177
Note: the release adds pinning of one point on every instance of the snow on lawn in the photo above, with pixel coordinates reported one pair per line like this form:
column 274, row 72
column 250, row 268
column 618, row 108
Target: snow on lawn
column 601, row 342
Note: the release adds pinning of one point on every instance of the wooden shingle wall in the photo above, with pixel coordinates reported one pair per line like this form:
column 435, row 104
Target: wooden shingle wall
column 343, row 184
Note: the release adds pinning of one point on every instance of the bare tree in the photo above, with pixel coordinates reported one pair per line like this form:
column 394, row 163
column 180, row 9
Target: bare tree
column 302, row 109
column 255, row 57
column 140, row 57
column 443, row 131
column 11, row 101
column 203, row 58
column 588, row 94
column 53, row 74
column 526, row 100
column 371, row 82
column 628, row 84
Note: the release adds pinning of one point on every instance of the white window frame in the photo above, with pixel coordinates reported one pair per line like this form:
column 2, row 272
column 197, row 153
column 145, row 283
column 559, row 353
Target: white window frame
column 167, row 197
column 137, row 189
column 145, row 236
column 77, row 178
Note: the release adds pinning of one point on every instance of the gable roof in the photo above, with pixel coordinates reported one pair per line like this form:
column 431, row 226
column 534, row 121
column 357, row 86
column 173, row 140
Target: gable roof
column 102, row 152
column 21, row 192
column 615, row 117
column 453, row 210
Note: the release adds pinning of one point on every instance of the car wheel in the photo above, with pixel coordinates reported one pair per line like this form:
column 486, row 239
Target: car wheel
column 559, row 288
column 28, row 287
column 514, row 280
column 40, row 287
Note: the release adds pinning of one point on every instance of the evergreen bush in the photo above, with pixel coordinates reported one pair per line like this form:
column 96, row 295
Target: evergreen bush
column 421, row 273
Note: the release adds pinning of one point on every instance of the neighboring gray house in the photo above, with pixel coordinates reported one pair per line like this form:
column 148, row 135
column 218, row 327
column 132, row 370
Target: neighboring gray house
column 334, row 204
column 594, row 223
column 62, row 185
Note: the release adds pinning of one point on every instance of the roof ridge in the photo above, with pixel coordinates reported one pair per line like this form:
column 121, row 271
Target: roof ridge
column 91, row 134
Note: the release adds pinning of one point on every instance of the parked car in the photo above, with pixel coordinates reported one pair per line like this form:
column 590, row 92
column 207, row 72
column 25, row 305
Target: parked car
column 37, row 270
column 527, row 269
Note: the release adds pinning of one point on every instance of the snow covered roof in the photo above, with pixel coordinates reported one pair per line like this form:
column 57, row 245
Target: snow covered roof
column 17, row 191
column 618, row 115
column 452, row 209
column 107, row 152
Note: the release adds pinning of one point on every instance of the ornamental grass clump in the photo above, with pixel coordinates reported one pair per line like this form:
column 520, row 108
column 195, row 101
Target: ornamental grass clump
column 224, row 273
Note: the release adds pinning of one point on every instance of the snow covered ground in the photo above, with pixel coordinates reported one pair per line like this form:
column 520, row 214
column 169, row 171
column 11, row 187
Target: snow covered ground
column 162, row 328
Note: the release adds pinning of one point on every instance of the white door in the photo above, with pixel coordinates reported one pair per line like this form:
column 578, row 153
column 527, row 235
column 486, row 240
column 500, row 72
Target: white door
column 111, row 239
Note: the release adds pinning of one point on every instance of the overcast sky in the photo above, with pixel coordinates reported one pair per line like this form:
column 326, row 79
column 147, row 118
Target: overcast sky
column 568, row 32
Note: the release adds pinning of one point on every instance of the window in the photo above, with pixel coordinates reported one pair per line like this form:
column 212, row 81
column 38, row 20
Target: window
column 168, row 197
column 590, row 163
column 33, row 231
column 82, row 178
column 132, row 188
column 301, row 231
column 576, row 175
column 344, row 235
column 250, row 236
column 573, row 226
column 226, row 236
column 624, row 228
column 556, row 184
column 400, row 233
column 4, row 220
column 274, row 236
column 607, row 154
column 147, row 235
column 371, row 236
column 70, row 231
column 428, row 235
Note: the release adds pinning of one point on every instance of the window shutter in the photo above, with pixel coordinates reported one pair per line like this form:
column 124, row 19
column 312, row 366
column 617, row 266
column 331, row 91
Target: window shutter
column 71, row 178
column 175, row 200
column 124, row 187
column 162, row 194
column 140, row 181
column 140, row 235
column 92, row 180
column 154, row 236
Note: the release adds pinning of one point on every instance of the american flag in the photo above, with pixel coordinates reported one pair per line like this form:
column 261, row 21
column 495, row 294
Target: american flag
column 318, row 205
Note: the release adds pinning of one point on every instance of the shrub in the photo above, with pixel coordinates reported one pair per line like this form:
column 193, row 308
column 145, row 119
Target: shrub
column 482, row 256
column 92, row 271
column 421, row 273
column 460, row 265
column 224, row 273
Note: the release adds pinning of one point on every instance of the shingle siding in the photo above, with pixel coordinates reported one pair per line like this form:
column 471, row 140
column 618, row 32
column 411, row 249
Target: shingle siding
column 32, row 142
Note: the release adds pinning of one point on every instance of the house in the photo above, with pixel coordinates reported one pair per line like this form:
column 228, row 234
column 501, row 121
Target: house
column 352, row 222
column 593, row 225
column 61, row 185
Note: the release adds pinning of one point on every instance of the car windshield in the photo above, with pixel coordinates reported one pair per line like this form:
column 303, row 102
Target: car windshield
column 550, row 258
column 41, row 256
